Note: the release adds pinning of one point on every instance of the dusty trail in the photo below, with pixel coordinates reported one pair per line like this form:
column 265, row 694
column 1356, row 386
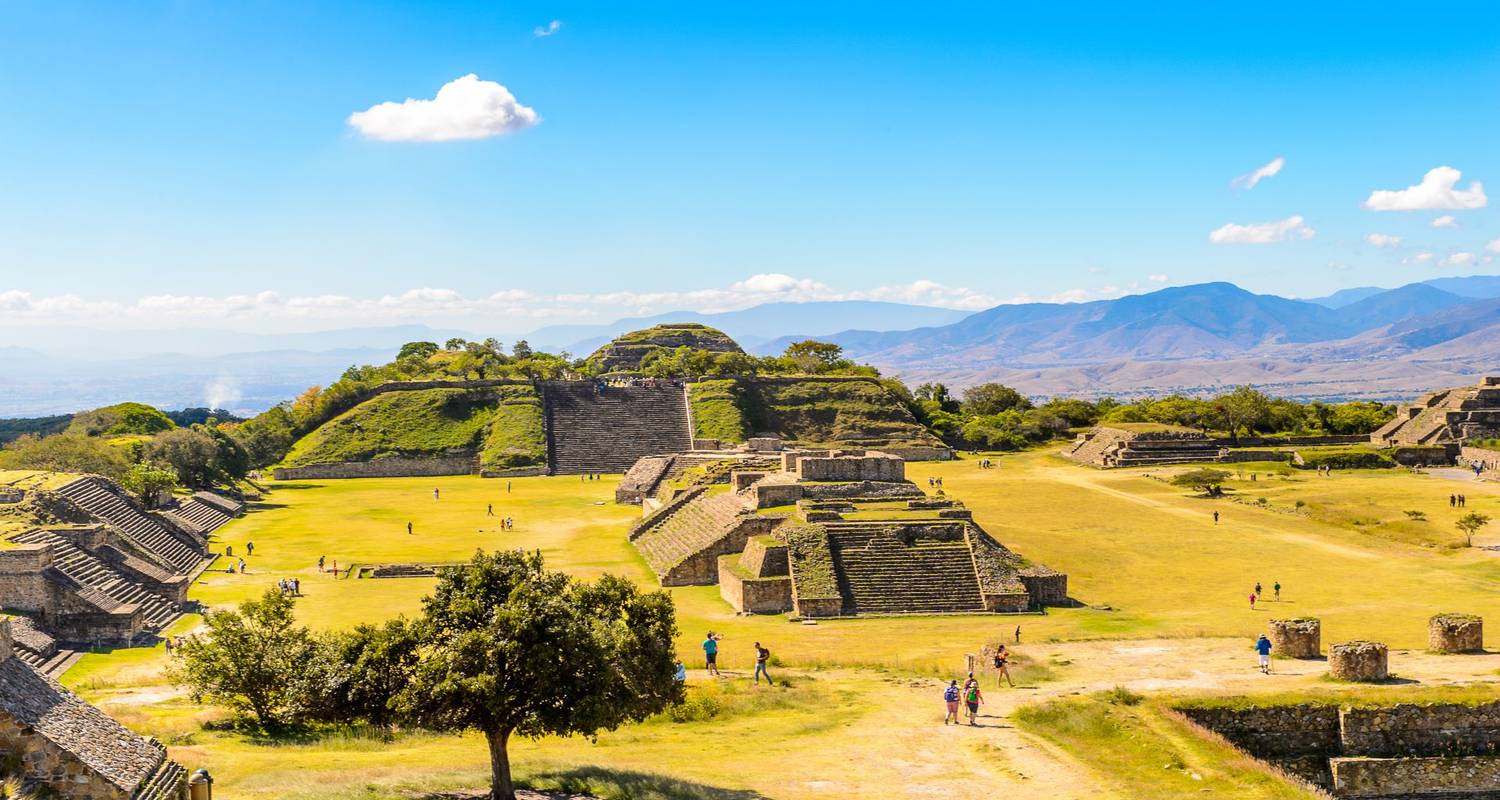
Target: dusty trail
column 911, row 748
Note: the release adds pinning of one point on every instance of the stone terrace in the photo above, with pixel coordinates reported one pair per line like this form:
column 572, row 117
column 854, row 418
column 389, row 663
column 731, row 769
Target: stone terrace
column 594, row 429
column 1108, row 446
column 71, row 748
column 184, row 552
column 1450, row 416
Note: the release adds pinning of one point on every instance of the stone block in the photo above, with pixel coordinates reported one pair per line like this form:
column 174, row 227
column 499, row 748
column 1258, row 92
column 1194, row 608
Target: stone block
column 1366, row 662
column 763, row 444
column 1297, row 638
column 1455, row 633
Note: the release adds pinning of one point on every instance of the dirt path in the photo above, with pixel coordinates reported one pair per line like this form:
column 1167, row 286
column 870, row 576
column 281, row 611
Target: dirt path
column 910, row 745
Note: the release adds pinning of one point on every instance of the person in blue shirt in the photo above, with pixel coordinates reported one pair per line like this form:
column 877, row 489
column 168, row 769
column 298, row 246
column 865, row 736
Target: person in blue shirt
column 1263, row 647
column 681, row 673
column 711, row 652
column 950, row 696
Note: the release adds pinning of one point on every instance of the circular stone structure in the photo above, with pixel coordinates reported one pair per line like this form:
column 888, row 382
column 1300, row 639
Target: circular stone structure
column 1297, row 638
column 1366, row 662
column 1455, row 633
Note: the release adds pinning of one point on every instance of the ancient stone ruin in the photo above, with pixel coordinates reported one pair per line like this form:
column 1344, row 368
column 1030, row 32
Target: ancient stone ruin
column 825, row 533
column 1296, row 638
column 1447, row 417
column 110, row 572
column 1110, row 446
column 625, row 353
column 1364, row 662
column 67, row 748
column 1441, row 751
column 1455, row 633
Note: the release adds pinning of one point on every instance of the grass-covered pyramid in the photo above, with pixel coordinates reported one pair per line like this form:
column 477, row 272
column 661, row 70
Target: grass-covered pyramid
column 626, row 352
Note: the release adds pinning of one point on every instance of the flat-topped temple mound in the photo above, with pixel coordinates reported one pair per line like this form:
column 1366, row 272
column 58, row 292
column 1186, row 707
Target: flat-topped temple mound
column 1447, row 417
column 825, row 533
column 70, row 749
column 94, row 567
column 627, row 352
column 1132, row 446
column 514, row 427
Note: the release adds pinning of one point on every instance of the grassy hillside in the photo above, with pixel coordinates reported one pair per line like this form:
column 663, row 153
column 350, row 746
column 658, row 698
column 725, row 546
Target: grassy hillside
column 503, row 424
column 808, row 411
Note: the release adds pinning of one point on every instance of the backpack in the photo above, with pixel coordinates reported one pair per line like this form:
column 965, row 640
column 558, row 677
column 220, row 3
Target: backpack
column 951, row 694
column 764, row 655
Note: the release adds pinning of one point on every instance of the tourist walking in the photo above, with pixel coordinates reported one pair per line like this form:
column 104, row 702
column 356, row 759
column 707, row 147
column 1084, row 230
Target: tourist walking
column 408, row 528
column 1462, row 501
column 950, row 697
column 489, row 510
column 507, row 487
column 1002, row 666
column 972, row 700
column 762, row 655
column 242, row 566
column 321, row 562
column 1453, row 501
column 249, row 548
column 1276, row 587
column 1263, row 649
column 167, row 642
column 1252, row 601
column 1216, row 518
column 711, row 653
column 434, row 495
column 1018, row 634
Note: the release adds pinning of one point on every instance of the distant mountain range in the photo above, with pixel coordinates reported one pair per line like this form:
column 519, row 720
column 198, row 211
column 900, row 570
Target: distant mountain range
column 1208, row 336
column 1363, row 342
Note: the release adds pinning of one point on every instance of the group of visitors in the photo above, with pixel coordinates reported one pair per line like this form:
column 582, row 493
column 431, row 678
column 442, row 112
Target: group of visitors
column 1325, row 470
column 239, row 566
column 935, row 482
column 1258, row 593
column 1457, row 501
column 290, row 586
column 971, row 697
column 986, row 463
column 711, row 659
column 172, row 644
column 323, row 560
column 648, row 383
column 590, row 476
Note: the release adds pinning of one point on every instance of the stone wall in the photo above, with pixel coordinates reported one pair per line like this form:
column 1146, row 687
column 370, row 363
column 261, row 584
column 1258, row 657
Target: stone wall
column 702, row 568
column 1455, row 633
column 868, row 467
column 22, row 586
column 393, row 467
column 751, row 595
column 1445, row 778
column 920, row 453
column 1271, row 732
column 815, row 607
column 1489, row 459
column 1046, row 587
column 1296, row 638
column 1408, row 729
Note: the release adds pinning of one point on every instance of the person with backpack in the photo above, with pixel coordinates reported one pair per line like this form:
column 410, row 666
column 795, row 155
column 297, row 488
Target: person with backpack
column 762, row 655
column 950, row 696
column 972, row 700
column 1263, row 649
column 1002, row 666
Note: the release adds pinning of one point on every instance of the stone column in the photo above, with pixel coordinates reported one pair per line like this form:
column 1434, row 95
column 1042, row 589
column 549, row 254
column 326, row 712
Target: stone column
column 1366, row 662
column 7, row 646
column 1455, row 633
column 1297, row 638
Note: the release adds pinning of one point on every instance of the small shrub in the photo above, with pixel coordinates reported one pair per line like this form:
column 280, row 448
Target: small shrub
column 698, row 707
column 1120, row 696
column 1417, row 516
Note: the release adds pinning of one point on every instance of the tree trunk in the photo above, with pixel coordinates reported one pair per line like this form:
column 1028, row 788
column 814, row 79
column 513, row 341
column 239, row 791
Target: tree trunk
column 500, row 783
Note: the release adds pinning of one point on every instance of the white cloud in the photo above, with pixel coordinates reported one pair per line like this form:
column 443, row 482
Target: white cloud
column 1493, row 247
column 1158, row 278
column 1437, row 191
column 445, row 306
column 1263, row 233
column 1419, row 258
column 1459, row 259
column 465, row 108
column 1248, row 180
column 1445, row 221
column 1383, row 240
column 550, row 28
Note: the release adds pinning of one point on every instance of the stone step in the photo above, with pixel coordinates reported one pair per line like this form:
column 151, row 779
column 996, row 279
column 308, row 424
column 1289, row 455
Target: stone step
column 610, row 429
column 98, row 583
column 93, row 496
column 164, row 784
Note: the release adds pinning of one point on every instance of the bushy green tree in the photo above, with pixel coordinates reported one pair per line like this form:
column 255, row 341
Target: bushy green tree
column 256, row 660
column 372, row 665
column 146, row 481
column 190, row 452
column 508, row 648
column 1470, row 524
column 992, row 398
column 1207, row 481
column 66, row 452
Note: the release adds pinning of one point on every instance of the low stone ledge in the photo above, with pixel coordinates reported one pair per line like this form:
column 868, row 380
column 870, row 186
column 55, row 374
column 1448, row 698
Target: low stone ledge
column 1297, row 638
column 1415, row 777
column 1366, row 662
column 1455, row 633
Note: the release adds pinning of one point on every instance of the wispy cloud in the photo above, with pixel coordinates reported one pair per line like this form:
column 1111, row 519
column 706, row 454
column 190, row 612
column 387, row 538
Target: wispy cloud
column 1157, row 278
column 441, row 305
column 464, row 108
column 1250, row 179
column 1459, row 259
column 1419, row 258
column 543, row 31
column 1438, row 191
column 1293, row 227
column 1445, row 221
column 1383, row 240
column 1494, row 246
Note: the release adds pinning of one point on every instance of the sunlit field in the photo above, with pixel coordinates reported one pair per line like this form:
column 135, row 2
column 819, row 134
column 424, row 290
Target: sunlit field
column 1145, row 560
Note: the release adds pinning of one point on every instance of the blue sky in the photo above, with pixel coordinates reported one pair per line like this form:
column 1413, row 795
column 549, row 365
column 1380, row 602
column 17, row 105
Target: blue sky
column 162, row 162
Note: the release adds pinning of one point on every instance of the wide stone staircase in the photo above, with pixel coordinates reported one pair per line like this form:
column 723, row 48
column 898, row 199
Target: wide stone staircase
column 36, row 647
column 592, row 429
column 688, row 529
column 203, row 515
column 150, row 534
column 880, row 574
column 98, row 583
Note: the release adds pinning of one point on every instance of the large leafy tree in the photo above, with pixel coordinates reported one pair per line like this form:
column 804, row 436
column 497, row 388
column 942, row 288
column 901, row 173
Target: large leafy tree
column 992, row 398
column 508, row 648
column 257, row 660
column 148, row 481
